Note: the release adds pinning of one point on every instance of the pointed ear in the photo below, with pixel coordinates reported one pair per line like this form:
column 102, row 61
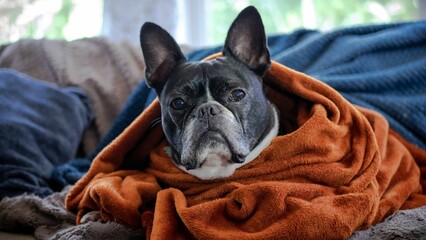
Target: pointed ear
column 246, row 41
column 161, row 54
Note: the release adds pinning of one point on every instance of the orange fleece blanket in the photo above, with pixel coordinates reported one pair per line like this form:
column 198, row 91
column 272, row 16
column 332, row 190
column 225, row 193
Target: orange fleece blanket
column 339, row 168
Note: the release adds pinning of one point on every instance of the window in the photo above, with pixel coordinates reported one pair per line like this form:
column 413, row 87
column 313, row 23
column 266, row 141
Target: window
column 194, row 22
column 56, row 19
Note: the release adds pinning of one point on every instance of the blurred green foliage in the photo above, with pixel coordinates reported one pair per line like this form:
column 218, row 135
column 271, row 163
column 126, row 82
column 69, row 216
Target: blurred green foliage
column 13, row 28
column 60, row 20
column 280, row 16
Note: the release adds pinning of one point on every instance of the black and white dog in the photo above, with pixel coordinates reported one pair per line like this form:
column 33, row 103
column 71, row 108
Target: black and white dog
column 215, row 115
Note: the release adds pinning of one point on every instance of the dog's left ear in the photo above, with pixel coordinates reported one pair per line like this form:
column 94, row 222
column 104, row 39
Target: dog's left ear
column 246, row 41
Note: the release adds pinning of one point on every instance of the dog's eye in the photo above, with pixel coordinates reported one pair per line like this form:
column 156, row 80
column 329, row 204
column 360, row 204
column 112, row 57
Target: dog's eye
column 178, row 104
column 237, row 95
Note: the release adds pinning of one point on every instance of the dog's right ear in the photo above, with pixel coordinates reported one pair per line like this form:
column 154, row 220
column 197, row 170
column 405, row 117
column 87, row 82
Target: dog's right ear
column 161, row 54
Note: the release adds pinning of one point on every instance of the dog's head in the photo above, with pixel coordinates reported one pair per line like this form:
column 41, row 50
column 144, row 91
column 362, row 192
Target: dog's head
column 214, row 113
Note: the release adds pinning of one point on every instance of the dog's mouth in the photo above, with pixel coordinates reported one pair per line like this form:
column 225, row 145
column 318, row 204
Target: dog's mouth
column 215, row 140
column 214, row 149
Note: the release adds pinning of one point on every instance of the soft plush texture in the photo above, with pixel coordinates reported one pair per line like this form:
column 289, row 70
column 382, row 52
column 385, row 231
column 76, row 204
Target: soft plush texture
column 407, row 225
column 48, row 219
column 107, row 71
column 384, row 72
column 338, row 167
column 41, row 126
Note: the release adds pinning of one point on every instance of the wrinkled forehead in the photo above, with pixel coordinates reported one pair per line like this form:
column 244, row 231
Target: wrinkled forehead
column 218, row 71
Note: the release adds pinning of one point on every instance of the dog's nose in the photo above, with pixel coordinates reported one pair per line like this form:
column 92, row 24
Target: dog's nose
column 189, row 165
column 208, row 109
column 239, row 158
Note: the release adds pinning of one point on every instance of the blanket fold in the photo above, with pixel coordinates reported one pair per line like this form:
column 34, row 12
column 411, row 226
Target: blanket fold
column 338, row 167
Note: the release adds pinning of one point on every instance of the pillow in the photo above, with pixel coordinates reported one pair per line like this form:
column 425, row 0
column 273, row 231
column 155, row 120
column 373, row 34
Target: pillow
column 40, row 127
column 140, row 99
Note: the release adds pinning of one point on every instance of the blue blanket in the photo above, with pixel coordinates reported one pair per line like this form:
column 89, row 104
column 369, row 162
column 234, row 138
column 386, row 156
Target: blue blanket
column 70, row 172
column 40, row 128
column 381, row 67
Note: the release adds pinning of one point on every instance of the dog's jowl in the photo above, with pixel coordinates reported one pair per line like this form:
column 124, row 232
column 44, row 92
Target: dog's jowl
column 214, row 113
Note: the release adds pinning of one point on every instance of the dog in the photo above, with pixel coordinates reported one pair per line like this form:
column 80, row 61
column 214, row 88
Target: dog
column 214, row 113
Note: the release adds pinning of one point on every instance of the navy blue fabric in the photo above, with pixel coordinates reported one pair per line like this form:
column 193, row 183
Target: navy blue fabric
column 381, row 67
column 40, row 127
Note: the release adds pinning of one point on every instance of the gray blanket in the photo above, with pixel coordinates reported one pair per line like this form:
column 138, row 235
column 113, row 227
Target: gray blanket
column 47, row 218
